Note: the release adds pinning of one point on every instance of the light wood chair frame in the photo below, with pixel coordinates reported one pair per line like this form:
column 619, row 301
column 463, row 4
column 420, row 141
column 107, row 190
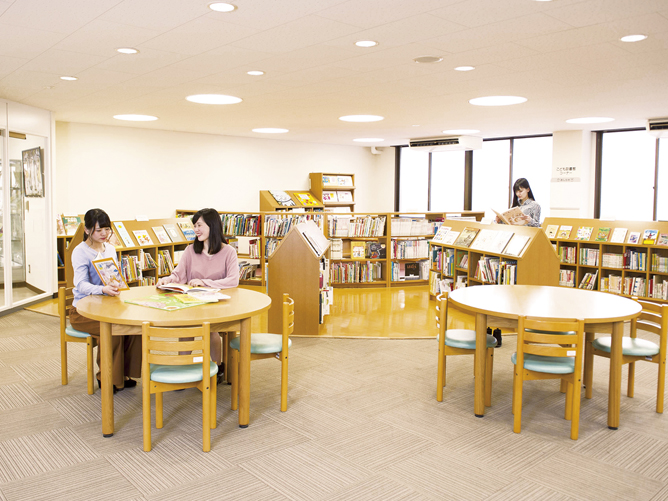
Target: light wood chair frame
column 288, row 328
column 444, row 351
column 65, row 297
column 654, row 319
column 177, row 340
column 554, row 344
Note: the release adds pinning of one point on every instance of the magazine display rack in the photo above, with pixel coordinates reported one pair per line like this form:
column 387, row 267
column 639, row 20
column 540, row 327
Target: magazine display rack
column 269, row 204
column 337, row 191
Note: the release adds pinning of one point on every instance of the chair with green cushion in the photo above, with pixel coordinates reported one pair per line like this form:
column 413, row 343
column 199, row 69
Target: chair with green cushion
column 267, row 346
column 653, row 319
column 549, row 349
column 69, row 334
column 165, row 369
column 459, row 342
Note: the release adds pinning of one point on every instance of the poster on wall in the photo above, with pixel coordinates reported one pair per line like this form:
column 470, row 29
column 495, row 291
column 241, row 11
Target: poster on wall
column 33, row 172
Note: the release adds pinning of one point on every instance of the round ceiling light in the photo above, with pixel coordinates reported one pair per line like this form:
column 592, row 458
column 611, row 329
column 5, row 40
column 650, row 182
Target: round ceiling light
column 361, row 118
column 428, row 59
column 127, row 50
column 270, row 130
column 369, row 139
column 633, row 38
column 136, row 118
column 69, row 79
column 222, row 7
column 589, row 120
column 213, row 99
column 465, row 68
column 461, row 131
column 497, row 100
column 255, row 73
column 366, row 43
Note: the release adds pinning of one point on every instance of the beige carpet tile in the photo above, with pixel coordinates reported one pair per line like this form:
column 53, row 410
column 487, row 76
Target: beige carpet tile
column 83, row 408
column 29, row 420
column 586, row 478
column 227, row 484
column 305, row 472
column 375, row 446
column 368, row 401
column 41, row 371
column 527, row 490
column 124, row 438
column 325, row 383
column 174, row 461
column 9, row 376
column 34, row 454
column 95, row 479
column 377, row 488
column 662, row 495
column 17, row 395
column 16, row 343
column 40, row 353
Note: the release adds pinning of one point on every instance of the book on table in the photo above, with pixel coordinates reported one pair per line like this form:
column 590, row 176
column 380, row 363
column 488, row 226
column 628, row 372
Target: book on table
column 109, row 274
column 185, row 288
column 167, row 302
column 513, row 216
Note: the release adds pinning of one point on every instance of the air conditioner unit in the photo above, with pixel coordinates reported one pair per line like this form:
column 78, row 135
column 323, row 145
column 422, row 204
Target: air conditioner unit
column 658, row 127
column 449, row 143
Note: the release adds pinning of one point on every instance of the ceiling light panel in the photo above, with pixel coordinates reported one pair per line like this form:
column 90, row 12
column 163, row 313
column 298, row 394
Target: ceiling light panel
column 222, row 7
column 136, row 118
column 213, row 99
column 361, row 118
column 497, row 100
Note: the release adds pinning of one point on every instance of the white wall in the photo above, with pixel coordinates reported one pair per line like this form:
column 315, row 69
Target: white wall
column 571, row 193
column 128, row 171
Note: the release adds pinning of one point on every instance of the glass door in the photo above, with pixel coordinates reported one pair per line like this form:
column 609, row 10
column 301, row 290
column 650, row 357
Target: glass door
column 2, row 220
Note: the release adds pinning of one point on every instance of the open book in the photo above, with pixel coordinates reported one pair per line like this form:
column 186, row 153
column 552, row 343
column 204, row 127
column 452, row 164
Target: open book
column 514, row 216
column 185, row 288
column 109, row 273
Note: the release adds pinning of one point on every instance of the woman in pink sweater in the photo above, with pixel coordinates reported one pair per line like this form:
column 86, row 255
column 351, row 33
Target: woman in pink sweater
column 208, row 262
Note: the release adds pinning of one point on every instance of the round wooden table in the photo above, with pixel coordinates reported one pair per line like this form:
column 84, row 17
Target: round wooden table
column 602, row 312
column 232, row 314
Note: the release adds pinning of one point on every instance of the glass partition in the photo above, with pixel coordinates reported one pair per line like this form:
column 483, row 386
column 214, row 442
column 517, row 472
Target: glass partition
column 3, row 134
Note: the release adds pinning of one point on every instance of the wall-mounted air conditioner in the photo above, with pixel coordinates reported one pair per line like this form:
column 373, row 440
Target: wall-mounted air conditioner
column 449, row 143
column 658, row 127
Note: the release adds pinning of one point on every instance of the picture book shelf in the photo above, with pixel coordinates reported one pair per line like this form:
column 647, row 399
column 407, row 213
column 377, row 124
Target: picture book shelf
column 628, row 258
column 490, row 260
column 268, row 202
column 336, row 190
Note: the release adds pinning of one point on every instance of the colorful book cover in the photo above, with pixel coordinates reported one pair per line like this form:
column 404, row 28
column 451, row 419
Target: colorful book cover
column 618, row 235
column 161, row 235
column 345, row 196
column 70, row 223
column 634, row 237
column 603, row 234
column 123, row 233
column 663, row 239
column 173, row 232
column 168, row 302
column 282, row 198
column 451, row 237
column 551, row 230
column 305, row 198
column 584, row 233
column 466, row 237
column 187, row 229
column 113, row 240
column 60, row 226
column 441, row 233
column 357, row 250
column 376, row 250
column 649, row 237
column 345, row 180
column 109, row 273
column 564, row 232
column 329, row 196
column 142, row 237
column 330, row 180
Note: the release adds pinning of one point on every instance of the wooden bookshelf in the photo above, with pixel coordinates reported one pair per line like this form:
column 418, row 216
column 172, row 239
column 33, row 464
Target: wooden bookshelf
column 623, row 263
column 319, row 185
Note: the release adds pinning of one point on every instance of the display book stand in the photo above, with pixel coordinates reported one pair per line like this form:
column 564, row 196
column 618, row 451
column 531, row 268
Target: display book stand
column 537, row 263
column 269, row 204
column 336, row 190
column 299, row 267
column 627, row 269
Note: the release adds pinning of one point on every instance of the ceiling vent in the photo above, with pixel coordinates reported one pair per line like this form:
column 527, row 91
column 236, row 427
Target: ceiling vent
column 449, row 143
column 658, row 127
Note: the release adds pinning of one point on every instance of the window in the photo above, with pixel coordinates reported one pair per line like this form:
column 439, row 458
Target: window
column 662, row 184
column 491, row 167
column 532, row 160
column 447, row 181
column 413, row 181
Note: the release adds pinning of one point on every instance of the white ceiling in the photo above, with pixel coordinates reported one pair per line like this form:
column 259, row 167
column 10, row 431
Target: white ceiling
column 565, row 56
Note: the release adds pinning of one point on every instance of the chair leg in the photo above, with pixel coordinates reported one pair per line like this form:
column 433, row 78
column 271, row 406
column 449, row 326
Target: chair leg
column 63, row 361
column 284, row 382
column 89, row 365
column 661, row 386
column 517, row 401
column 214, row 402
column 568, row 408
column 575, row 411
column 631, row 382
column 589, row 364
column 234, row 379
column 158, row 410
column 146, row 414
column 488, row 376
column 225, row 355
column 206, row 415
column 563, row 388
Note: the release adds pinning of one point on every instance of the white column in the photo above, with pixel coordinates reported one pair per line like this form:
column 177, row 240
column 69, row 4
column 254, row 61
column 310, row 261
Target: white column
column 572, row 183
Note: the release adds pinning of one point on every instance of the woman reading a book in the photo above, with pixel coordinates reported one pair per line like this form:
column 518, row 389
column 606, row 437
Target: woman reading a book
column 208, row 262
column 524, row 199
column 126, row 350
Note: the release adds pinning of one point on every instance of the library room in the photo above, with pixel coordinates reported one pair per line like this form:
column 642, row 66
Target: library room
column 333, row 250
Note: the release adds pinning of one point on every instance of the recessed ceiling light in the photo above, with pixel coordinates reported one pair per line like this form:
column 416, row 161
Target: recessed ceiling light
column 461, row 131
column 369, row 139
column 136, row 118
column 543, row 0
column 222, row 7
column 69, row 79
column 633, row 38
column 270, row 130
column 497, row 100
column 366, row 43
column 428, row 59
column 127, row 50
column 255, row 73
column 589, row 120
column 362, row 118
column 415, row 125
column 465, row 68
column 213, row 99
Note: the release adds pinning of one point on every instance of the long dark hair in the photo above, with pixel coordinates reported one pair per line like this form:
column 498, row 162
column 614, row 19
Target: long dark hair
column 213, row 221
column 93, row 217
column 521, row 183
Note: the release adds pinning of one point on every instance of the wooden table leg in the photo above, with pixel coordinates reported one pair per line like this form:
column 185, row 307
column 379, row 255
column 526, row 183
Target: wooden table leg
column 244, row 372
column 106, row 380
column 480, row 359
column 441, row 366
column 615, row 385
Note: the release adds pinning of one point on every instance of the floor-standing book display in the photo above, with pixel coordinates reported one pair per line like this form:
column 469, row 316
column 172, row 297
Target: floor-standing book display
column 337, row 191
column 278, row 200
column 629, row 258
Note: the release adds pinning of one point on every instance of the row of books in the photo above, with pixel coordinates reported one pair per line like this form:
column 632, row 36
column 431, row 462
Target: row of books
column 443, row 260
column 607, row 234
column 567, row 254
column 611, row 260
column 247, row 271
column 367, row 250
column 337, row 196
column 279, row 225
column 409, row 249
column 485, row 240
column 146, row 260
column 635, row 260
column 567, row 278
column 358, row 226
column 165, row 263
column 241, row 225
column 355, row 272
column 407, row 227
column 659, row 263
column 494, row 271
column 328, row 180
column 588, row 281
column 438, row 284
column 130, row 268
column 589, row 257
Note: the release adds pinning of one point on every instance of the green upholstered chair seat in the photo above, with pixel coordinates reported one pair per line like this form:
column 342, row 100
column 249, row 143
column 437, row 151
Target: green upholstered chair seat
column 180, row 373
column 465, row 338
column 550, row 365
column 263, row 343
column 562, row 333
column 634, row 347
column 71, row 331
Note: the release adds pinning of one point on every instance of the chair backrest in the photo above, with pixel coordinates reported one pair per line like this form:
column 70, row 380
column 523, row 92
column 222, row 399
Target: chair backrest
column 442, row 312
column 653, row 318
column 161, row 345
column 288, row 317
column 65, row 298
column 549, row 338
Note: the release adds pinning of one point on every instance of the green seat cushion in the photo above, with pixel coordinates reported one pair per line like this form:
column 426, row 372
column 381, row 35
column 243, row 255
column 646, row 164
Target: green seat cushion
column 633, row 347
column 465, row 338
column 550, row 365
column 557, row 333
column 180, row 373
column 263, row 343
column 71, row 331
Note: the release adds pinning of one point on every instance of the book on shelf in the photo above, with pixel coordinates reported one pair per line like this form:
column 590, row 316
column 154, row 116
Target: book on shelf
column 345, row 181
column 172, row 231
column 282, row 198
column 187, row 229
column 501, row 239
column 70, row 223
column 584, row 233
column 634, row 237
column 466, row 237
column 305, row 198
column 588, row 281
column 109, row 274
column 516, row 245
column 441, row 233
column 336, row 248
column 376, row 250
column 513, row 216
column 412, row 271
column 564, row 231
column 551, row 230
column 184, row 288
column 161, row 235
column 451, row 237
column 113, row 240
column 357, row 250
column 649, row 237
column 123, row 232
column 330, row 181
column 345, row 196
column 60, row 261
column 314, row 237
column 329, row 196
column 142, row 237
column 60, row 227
column 602, row 234
column 662, row 239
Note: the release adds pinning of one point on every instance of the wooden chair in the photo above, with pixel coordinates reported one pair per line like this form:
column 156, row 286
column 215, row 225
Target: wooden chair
column 267, row 346
column 452, row 342
column 549, row 349
column 163, row 369
column 69, row 334
column 653, row 319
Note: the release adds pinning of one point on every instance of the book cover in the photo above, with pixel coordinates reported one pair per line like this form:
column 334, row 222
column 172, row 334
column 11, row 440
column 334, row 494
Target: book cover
column 161, row 235
column 634, row 237
column 376, row 250
column 649, row 237
column 483, row 240
column 113, row 240
column 70, row 224
column 173, row 287
column 602, row 234
column 466, row 237
column 516, row 245
column 564, row 231
column 441, row 233
column 663, row 239
column 142, row 237
column 412, row 271
column 305, row 198
column 167, row 302
column 345, row 180
column 187, row 229
column 109, row 273
column 123, row 233
column 330, row 180
column 618, row 235
column 345, row 196
column 60, row 227
column 551, row 230
column 357, row 250
column 500, row 241
column 282, row 198
column 173, row 232
column 450, row 238
column 584, row 233
column 514, row 216
column 329, row 196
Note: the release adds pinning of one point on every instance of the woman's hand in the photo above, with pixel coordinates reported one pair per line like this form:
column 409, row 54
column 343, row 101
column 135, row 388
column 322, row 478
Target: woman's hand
column 110, row 290
column 196, row 282
column 162, row 281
